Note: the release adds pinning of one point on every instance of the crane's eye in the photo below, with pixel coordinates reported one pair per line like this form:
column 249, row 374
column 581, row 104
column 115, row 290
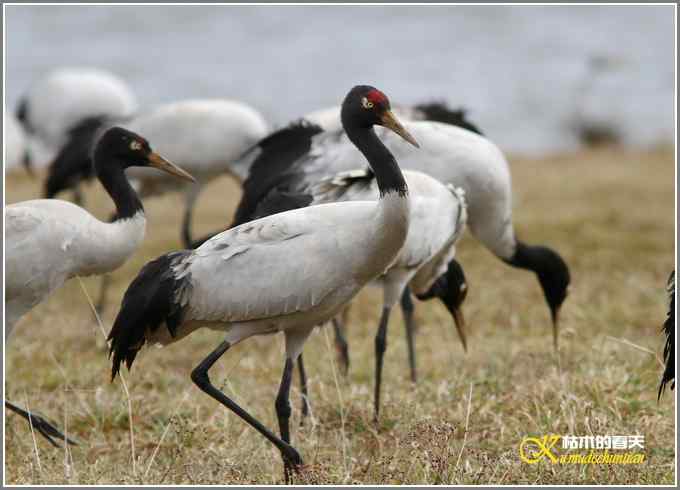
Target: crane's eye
column 366, row 103
column 135, row 145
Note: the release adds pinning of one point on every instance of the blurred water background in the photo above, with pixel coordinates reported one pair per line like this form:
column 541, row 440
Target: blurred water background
column 532, row 77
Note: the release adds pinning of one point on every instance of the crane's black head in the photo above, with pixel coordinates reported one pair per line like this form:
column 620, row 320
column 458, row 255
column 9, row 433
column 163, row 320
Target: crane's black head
column 553, row 275
column 451, row 288
column 128, row 149
column 366, row 106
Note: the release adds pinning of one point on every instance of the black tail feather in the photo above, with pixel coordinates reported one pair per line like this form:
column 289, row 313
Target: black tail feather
column 669, row 348
column 152, row 299
column 280, row 201
column 278, row 153
column 73, row 163
column 440, row 112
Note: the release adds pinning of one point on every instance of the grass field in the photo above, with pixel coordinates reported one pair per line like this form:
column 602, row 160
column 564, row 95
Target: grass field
column 610, row 214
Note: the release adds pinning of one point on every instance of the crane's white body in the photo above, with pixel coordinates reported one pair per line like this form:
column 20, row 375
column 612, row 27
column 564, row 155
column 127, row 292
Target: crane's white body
column 288, row 271
column 449, row 154
column 437, row 221
column 67, row 95
column 206, row 137
column 15, row 142
column 48, row 241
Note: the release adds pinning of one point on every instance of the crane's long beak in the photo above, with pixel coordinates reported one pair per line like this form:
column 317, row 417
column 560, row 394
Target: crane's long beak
column 459, row 320
column 555, row 314
column 390, row 121
column 157, row 161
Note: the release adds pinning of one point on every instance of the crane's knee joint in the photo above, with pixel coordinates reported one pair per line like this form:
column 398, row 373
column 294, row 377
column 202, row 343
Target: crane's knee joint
column 200, row 377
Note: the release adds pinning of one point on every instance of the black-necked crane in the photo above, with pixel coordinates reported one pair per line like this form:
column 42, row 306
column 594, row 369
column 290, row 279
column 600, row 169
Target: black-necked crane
column 450, row 153
column 205, row 136
column 669, row 330
column 48, row 241
column 66, row 96
column 286, row 272
column 425, row 263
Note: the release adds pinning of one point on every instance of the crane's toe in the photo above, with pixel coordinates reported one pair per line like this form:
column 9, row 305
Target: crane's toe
column 48, row 430
column 291, row 457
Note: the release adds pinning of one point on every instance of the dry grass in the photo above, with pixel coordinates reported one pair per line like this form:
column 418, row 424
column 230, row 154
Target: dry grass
column 609, row 212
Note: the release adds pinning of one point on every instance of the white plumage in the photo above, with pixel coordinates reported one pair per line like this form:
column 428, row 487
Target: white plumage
column 15, row 142
column 48, row 241
column 205, row 136
column 267, row 291
column 437, row 220
column 67, row 95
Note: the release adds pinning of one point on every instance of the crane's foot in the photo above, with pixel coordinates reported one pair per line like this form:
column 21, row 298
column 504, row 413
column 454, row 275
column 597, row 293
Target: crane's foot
column 292, row 463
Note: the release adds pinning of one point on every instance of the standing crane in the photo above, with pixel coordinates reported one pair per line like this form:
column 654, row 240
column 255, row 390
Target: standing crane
column 286, row 272
column 48, row 241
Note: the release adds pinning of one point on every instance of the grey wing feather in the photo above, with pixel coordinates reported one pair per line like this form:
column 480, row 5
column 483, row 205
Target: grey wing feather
column 353, row 185
column 264, row 268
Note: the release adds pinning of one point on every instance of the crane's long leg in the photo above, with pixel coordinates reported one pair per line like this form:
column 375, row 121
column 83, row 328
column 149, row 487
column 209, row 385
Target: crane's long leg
column 40, row 424
column 200, row 376
column 283, row 411
column 380, row 347
column 303, row 389
column 407, row 308
column 341, row 344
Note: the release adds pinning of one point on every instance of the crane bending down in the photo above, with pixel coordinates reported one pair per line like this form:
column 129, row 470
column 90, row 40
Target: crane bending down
column 67, row 95
column 287, row 272
column 49, row 241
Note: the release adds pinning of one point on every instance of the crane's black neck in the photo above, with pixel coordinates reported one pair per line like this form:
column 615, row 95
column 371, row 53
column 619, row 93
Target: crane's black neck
column 111, row 174
column 387, row 173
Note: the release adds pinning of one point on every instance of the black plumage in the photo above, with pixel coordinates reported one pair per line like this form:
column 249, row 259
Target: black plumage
column 277, row 154
column 73, row 163
column 440, row 112
column 669, row 348
column 22, row 115
column 151, row 300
